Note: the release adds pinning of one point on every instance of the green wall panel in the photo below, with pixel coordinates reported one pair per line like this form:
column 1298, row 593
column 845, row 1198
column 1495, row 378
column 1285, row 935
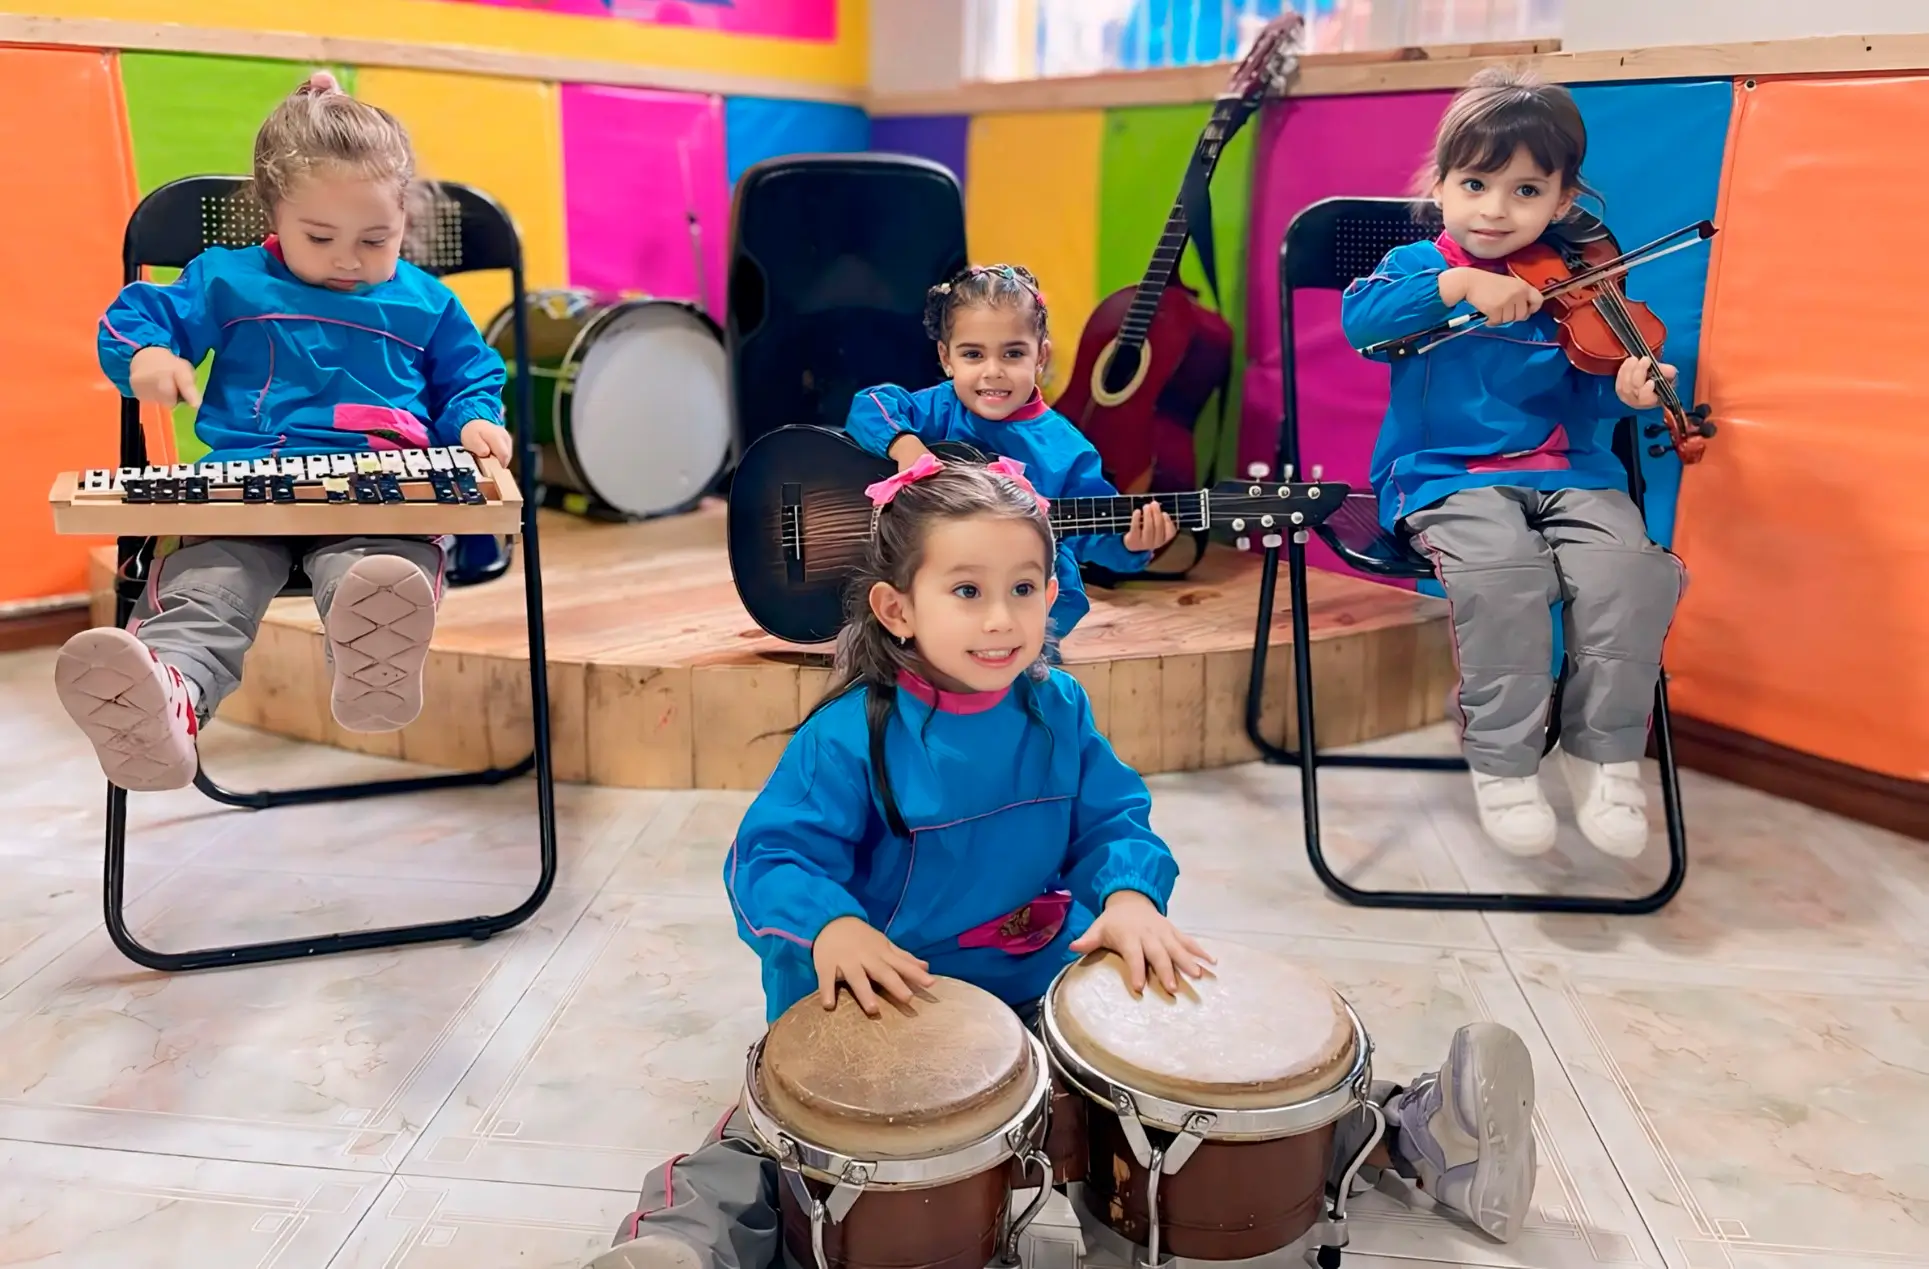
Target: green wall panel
column 1144, row 157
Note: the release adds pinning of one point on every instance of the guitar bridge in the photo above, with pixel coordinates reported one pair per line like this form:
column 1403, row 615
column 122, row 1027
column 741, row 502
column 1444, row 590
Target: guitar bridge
column 791, row 529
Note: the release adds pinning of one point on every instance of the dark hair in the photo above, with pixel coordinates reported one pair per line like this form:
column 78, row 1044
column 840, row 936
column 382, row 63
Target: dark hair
column 987, row 286
column 869, row 656
column 1500, row 111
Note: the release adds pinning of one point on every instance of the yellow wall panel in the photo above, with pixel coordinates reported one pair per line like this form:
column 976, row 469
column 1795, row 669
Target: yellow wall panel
column 1033, row 200
column 504, row 137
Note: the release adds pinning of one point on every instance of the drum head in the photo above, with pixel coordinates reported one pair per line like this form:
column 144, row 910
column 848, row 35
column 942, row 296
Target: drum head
column 947, row 1073
column 1257, row 1032
column 648, row 425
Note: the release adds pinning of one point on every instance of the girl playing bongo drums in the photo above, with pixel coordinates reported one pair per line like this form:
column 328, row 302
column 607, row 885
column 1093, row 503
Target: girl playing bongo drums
column 950, row 809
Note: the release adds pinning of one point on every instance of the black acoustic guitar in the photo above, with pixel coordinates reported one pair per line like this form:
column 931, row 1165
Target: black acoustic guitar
column 799, row 521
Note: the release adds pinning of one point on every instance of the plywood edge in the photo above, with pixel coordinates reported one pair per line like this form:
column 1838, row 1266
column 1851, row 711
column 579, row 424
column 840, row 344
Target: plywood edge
column 1423, row 69
column 113, row 33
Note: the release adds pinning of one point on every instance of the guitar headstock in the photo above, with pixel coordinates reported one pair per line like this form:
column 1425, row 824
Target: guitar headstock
column 1262, row 505
column 1270, row 65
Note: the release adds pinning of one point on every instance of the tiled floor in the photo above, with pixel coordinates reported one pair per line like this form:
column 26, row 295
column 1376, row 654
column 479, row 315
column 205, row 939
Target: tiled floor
column 1739, row 1083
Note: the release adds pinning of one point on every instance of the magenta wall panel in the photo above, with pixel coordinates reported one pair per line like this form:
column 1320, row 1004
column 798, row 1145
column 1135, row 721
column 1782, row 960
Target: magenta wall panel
column 786, row 19
column 1312, row 148
column 636, row 164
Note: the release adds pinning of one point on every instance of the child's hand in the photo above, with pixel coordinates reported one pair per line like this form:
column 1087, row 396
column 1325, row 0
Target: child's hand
column 157, row 375
column 1151, row 528
column 906, row 450
column 1500, row 297
column 1635, row 388
column 487, row 440
column 852, row 950
column 1133, row 926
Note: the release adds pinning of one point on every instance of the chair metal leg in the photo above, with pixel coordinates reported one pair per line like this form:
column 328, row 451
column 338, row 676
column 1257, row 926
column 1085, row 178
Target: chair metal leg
column 1309, row 760
column 113, row 889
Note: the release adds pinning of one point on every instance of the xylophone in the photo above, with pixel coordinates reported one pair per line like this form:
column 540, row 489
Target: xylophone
column 407, row 491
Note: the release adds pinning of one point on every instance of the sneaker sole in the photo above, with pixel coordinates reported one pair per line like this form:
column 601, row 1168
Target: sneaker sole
column 378, row 629
column 1497, row 1077
column 108, row 683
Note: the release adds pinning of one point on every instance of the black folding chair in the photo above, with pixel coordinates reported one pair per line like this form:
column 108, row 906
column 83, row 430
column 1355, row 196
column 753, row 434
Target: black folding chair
column 470, row 231
column 1327, row 246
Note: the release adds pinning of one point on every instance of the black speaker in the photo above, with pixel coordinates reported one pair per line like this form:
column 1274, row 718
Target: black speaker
column 830, row 257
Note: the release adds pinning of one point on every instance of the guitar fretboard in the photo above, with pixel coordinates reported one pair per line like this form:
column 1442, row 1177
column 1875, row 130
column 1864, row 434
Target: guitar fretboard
column 1071, row 517
column 1172, row 242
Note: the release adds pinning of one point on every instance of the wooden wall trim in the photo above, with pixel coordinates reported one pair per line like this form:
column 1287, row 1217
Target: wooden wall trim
column 110, row 33
column 1901, row 806
column 1416, row 69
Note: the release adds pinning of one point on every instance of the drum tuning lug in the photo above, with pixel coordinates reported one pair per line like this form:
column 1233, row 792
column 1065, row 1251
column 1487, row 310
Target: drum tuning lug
column 847, row 1192
column 1128, row 1113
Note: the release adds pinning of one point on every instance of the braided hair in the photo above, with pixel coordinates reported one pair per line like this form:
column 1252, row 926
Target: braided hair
column 988, row 286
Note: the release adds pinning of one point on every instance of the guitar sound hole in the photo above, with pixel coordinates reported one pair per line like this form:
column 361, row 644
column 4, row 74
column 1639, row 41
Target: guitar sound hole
column 1119, row 371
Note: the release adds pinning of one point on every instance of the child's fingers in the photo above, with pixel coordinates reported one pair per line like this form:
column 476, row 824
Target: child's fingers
column 913, row 970
column 890, row 981
column 185, row 387
column 1183, row 960
column 1192, row 945
column 827, row 988
column 1159, row 961
column 1134, row 954
column 860, row 984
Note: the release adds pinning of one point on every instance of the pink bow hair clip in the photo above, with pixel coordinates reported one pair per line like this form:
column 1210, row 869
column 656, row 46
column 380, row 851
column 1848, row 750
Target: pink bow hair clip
column 1014, row 471
column 884, row 490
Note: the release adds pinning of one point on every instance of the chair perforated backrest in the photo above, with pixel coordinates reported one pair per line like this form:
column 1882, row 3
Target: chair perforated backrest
column 467, row 229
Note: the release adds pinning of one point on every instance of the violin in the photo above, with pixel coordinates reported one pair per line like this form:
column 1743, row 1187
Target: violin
column 1600, row 327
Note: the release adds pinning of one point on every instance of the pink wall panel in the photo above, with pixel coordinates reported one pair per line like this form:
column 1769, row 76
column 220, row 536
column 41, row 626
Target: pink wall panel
column 1313, row 148
column 636, row 163
column 786, row 19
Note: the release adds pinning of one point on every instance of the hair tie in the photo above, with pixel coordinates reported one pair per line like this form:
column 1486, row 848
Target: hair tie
column 887, row 489
column 1014, row 471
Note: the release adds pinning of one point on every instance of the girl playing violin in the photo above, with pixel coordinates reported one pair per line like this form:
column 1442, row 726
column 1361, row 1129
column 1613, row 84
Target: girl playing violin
column 1495, row 456
column 949, row 808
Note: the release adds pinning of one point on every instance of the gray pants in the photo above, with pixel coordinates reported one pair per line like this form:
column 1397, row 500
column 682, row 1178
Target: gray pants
column 1504, row 556
column 204, row 600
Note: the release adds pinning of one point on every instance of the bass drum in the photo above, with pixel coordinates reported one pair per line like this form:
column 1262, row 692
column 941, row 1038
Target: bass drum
column 632, row 401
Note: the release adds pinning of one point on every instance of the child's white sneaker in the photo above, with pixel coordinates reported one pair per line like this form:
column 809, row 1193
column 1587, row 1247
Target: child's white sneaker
column 1515, row 813
column 137, row 711
column 1610, row 804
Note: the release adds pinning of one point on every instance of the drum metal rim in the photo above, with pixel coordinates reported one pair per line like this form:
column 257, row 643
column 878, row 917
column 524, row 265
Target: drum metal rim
column 560, row 413
column 1013, row 1137
column 1266, row 1124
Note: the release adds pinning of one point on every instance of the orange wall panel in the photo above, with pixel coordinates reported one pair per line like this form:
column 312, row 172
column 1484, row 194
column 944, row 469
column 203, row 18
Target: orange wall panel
column 1806, row 619
column 66, row 189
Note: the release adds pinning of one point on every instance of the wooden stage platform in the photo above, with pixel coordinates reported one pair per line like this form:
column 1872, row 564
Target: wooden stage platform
column 659, row 679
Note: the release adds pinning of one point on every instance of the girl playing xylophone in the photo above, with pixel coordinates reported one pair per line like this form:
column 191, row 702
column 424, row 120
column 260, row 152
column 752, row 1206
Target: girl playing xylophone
column 989, row 323
column 949, row 808
column 1496, row 456
column 324, row 340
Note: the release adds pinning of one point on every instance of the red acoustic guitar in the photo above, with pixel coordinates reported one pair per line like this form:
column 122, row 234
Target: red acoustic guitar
column 1151, row 356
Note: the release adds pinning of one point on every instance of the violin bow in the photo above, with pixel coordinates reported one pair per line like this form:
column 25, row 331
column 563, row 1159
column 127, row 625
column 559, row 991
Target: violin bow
column 1606, row 271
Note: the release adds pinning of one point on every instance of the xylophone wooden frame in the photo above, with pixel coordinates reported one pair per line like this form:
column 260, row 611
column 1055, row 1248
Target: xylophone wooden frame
column 166, row 230
column 1309, row 259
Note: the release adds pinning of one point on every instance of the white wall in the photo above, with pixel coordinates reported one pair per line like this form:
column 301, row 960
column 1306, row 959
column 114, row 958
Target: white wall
column 918, row 45
column 1598, row 24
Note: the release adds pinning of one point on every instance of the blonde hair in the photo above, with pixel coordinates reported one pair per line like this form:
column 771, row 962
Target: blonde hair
column 319, row 127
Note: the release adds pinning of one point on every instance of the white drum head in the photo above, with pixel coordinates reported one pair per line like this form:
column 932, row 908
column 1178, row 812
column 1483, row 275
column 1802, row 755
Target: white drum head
column 649, row 418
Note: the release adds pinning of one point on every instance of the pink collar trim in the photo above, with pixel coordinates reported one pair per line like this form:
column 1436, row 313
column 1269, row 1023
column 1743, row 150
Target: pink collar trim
column 272, row 245
column 1457, row 257
column 950, row 702
column 1030, row 410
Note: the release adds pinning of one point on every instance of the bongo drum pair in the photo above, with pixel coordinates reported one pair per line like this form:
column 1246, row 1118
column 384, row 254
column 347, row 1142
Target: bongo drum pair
column 1199, row 1125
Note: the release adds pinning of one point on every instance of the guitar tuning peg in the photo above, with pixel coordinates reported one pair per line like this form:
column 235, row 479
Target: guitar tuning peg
column 1271, row 541
column 1319, row 472
column 1243, row 543
column 1302, row 537
column 1256, row 471
column 1286, row 472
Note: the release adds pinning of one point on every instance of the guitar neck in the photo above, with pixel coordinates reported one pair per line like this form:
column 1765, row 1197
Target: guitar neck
column 1071, row 517
column 1171, row 248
